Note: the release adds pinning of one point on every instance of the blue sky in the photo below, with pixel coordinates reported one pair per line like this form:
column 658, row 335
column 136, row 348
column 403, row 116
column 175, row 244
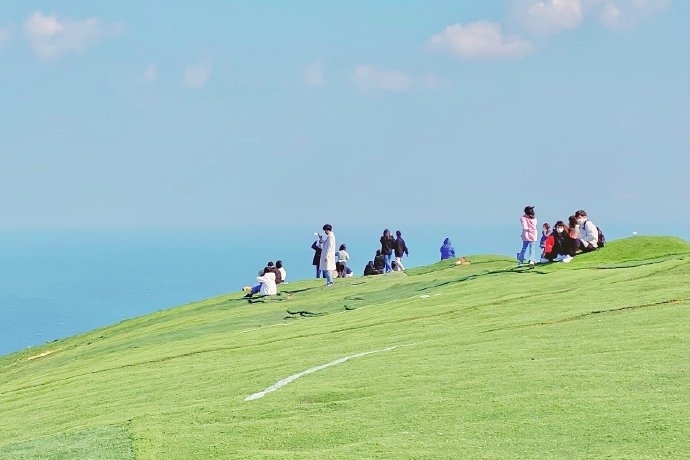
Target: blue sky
column 144, row 115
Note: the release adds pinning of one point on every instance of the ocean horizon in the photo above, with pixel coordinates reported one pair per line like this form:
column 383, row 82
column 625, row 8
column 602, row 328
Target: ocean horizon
column 55, row 284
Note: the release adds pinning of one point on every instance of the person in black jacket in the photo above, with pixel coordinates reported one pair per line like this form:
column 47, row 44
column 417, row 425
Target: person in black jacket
column 400, row 250
column 370, row 270
column 316, row 261
column 562, row 247
column 387, row 245
column 379, row 261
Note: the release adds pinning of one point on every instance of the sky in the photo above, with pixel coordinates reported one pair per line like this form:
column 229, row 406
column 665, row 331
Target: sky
column 222, row 114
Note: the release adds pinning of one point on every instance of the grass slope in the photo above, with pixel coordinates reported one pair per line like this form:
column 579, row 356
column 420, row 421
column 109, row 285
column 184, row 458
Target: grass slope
column 580, row 360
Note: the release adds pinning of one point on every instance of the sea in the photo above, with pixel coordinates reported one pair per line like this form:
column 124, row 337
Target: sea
column 55, row 284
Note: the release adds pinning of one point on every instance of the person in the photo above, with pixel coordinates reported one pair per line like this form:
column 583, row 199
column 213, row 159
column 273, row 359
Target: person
column 266, row 282
column 341, row 257
column 545, row 232
column 447, row 250
column 370, row 270
column 387, row 244
column 348, row 272
column 574, row 234
column 528, row 222
column 327, row 262
column 589, row 234
column 558, row 245
column 281, row 269
column 379, row 261
column 400, row 250
column 316, row 261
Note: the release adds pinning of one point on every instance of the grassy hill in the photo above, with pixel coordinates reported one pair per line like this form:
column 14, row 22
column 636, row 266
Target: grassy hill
column 582, row 360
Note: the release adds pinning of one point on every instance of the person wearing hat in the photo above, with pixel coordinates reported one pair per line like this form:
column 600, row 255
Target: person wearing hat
column 529, row 237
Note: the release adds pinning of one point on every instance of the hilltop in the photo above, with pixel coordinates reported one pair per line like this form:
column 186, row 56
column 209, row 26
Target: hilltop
column 486, row 360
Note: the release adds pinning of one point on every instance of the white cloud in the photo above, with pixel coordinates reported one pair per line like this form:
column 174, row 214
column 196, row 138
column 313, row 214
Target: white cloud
column 196, row 75
column 623, row 14
column 313, row 76
column 549, row 17
column 368, row 77
column 480, row 40
column 150, row 74
column 51, row 37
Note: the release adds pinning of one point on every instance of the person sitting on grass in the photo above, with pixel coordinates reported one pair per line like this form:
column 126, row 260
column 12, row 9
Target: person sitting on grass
column 267, row 284
column 283, row 273
column 379, row 261
column 558, row 245
column 370, row 270
column 589, row 234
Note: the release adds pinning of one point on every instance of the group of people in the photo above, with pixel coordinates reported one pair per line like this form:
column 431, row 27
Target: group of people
column 268, row 280
column 383, row 260
column 561, row 243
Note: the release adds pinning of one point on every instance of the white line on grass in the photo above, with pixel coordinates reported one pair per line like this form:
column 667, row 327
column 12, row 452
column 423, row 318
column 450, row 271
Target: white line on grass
column 292, row 378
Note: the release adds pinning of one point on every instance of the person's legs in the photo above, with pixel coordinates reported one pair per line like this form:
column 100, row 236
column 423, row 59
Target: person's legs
column 329, row 277
column 532, row 252
column 387, row 258
column 398, row 260
column 586, row 247
column 254, row 290
column 318, row 272
column 521, row 254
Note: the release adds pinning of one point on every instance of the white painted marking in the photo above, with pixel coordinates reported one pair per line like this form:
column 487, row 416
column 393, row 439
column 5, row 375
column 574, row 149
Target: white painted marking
column 292, row 378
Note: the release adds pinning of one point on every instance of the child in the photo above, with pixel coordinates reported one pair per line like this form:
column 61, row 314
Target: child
column 529, row 237
column 545, row 232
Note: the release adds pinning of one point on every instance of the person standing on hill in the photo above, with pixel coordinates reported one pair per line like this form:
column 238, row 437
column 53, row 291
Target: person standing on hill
column 316, row 261
column 400, row 250
column 447, row 250
column 529, row 236
column 387, row 245
column 327, row 262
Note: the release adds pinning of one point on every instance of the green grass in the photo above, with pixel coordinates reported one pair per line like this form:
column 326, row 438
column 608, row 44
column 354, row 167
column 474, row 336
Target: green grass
column 582, row 360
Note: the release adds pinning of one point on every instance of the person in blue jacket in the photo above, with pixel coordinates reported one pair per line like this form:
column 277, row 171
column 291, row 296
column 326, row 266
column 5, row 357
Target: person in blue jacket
column 447, row 250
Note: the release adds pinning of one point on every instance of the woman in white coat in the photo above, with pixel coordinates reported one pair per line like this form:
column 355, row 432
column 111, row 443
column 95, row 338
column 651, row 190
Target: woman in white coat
column 327, row 263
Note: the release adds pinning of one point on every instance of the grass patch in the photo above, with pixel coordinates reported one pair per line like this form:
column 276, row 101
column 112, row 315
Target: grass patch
column 580, row 360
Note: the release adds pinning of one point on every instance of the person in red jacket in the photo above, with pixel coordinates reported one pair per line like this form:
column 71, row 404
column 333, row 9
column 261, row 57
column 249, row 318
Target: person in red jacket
column 558, row 246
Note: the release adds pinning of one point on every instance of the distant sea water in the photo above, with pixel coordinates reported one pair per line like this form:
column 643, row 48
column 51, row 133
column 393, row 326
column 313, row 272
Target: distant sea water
column 55, row 284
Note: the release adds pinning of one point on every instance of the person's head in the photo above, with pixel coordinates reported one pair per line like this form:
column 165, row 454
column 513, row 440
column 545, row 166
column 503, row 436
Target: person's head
column 279, row 264
column 581, row 216
column 342, row 248
column 267, row 270
column 572, row 221
column 446, row 241
column 560, row 226
column 398, row 233
column 327, row 228
column 371, row 262
column 546, row 226
column 386, row 232
column 378, row 252
column 269, row 264
column 529, row 211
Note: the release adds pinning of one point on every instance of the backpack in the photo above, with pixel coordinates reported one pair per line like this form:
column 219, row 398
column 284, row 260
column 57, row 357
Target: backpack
column 601, row 240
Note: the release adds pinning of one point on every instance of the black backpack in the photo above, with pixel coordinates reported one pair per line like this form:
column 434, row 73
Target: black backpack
column 601, row 240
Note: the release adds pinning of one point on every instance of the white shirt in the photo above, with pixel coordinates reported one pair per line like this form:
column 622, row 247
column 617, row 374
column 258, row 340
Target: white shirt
column 589, row 234
column 283, row 273
column 268, row 284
